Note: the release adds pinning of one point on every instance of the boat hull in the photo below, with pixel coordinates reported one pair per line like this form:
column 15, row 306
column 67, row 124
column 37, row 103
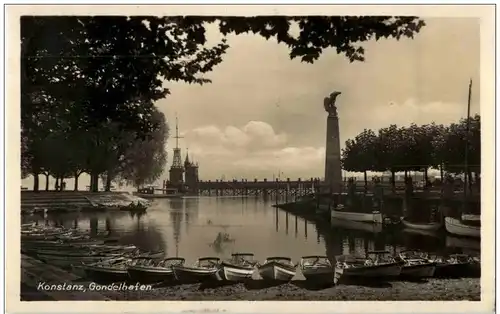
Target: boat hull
column 388, row 271
column 454, row 226
column 424, row 226
column 277, row 271
column 445, row 270
column 67, row 261
column 229, row 272
column 373, row 217
column 463, row 243
column 193, row 274
column 318, row 274
column 356, row 225
column 419, row 271
column 150, row 274
column 105, row 274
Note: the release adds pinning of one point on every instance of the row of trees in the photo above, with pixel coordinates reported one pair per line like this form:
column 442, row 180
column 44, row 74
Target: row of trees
column 417, row 148
column 89, row 83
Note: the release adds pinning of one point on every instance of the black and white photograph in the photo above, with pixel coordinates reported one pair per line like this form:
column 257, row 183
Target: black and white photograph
column 252, row 153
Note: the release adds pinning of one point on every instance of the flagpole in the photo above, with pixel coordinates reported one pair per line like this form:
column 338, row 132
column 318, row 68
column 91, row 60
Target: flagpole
column 466, row 168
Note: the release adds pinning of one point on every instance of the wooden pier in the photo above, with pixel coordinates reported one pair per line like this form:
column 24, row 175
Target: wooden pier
column 264, row 188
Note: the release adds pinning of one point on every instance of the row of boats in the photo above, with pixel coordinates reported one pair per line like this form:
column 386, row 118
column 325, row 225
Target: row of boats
column 466, row 226
column 100, row 259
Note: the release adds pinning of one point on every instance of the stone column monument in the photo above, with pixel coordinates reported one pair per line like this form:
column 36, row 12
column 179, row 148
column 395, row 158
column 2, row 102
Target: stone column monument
column 333, row 169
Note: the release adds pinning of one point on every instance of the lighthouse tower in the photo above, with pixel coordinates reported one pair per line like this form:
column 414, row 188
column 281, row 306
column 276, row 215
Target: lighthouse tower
column 176, row 172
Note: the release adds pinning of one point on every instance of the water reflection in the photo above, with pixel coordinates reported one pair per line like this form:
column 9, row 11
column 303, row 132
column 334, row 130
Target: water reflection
column 195, row 227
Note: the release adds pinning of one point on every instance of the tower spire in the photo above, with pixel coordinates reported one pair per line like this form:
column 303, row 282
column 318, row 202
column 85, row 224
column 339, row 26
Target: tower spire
column 177, row 162
column 177, row 137
column 186, row 161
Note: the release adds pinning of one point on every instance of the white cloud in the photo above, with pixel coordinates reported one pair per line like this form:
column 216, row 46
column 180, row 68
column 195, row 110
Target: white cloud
column 254, row 150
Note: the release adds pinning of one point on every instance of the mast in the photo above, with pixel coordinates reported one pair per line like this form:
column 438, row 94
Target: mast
column 466, row 166
column 177, row 137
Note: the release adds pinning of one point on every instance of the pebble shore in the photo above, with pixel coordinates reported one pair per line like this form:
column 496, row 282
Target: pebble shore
column 431, row 290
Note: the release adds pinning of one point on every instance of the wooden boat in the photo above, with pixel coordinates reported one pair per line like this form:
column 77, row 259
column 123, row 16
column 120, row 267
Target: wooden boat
column 455, row 226
column 28, row 225
column 278, row 269
column 56, row 245
column 376, row 265
column 426, row 233
column 356, row 225
column 316, row 268
column 80, row 250
column 431, row 226
column 205, row 268
column 150, row 270
column 72, row 252
column 111, row 270
column 474, row 267
column 416, row 265
column 41, row 236
column 241, row 266
column 138, row 253
column 341, row 213
column 471, row 218
column 456, row 266
column 463, row 243
column 68, row 261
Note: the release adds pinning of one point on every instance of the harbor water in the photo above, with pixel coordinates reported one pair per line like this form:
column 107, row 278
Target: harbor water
column 218, row 226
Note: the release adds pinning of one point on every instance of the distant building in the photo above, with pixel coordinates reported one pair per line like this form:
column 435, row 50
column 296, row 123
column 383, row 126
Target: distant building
column 191, row 175
column 183, row 177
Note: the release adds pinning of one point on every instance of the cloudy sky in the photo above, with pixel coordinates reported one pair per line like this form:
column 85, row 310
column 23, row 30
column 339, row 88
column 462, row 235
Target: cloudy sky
column 263, row 113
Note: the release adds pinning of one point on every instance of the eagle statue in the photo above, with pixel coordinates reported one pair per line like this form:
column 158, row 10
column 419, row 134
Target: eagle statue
column 329, row 103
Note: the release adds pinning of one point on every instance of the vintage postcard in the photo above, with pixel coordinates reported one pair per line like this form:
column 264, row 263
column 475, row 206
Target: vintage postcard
column 196, row 155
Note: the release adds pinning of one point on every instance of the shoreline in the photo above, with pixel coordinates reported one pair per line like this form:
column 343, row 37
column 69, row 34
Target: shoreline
column 465, row 289
column 35, row 272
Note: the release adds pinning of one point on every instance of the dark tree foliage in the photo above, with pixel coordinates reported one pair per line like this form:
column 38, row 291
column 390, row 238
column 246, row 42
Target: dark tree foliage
column 100, row 75
column 359, row 154
column 452, row 146
column 317, row 33
column 417, row 148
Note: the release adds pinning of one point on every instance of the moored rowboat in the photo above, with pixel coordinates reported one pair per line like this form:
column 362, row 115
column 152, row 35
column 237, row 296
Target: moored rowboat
column 317, row 268
column 431, row 226
column 381, row 266
column 277, row 268
column 240, row 267
column 455, row 226
column 373, row 217
column 416, row 265
column 108, row 271
column 204, row 269
column 148, row 270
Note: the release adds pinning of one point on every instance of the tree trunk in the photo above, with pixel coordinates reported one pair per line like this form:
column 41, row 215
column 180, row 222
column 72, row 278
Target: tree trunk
column 77, row 175
column 56, row 185
column 36, row 181
column 46, row 181
column 61, row 188
column 469, row 175
column 406, row 175
column 426, row 175
column 108, row 183
column 393, row 180
column 94, row 182
column 366, row 181
column 108, row 225
column 441, row 172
